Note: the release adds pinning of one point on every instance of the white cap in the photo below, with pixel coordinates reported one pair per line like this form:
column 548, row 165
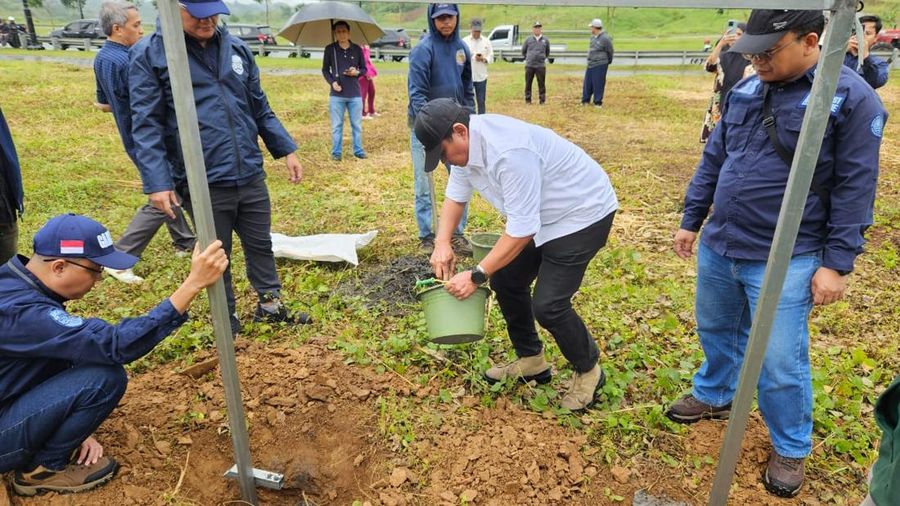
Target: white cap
column 596, row 23
column 11, row 18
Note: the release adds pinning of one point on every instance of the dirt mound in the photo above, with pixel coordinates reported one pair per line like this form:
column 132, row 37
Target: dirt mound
column 391, row 285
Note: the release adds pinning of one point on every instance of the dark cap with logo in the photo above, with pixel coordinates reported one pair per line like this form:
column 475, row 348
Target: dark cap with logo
column 74, row 236
column 202, row 9
column 433, row 123
column 444, row 9
column 766, row 27
column 476, row 24
column 537, row 24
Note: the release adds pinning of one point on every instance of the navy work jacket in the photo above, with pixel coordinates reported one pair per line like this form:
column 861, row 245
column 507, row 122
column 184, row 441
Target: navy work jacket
column 742, row 178
column 39, row 338
column 232, row 110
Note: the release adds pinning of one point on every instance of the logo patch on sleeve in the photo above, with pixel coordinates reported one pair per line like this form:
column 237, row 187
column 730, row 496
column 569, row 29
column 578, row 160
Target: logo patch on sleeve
column 460, row 57
column 65, row 319
column 877, row 125
column 237, row 65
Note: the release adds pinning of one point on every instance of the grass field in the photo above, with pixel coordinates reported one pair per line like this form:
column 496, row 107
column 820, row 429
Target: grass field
column 636, row 298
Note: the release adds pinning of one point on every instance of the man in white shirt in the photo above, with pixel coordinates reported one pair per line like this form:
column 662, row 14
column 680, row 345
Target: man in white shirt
column 559, row 207
column 482, row 56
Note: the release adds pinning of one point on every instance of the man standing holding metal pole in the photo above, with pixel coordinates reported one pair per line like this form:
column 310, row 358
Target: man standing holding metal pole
column 233, row 112
column 743, row 175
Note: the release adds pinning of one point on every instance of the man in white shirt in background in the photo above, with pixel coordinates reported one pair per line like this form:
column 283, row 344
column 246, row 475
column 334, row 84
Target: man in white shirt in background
column 482, row 56
column 559, row 207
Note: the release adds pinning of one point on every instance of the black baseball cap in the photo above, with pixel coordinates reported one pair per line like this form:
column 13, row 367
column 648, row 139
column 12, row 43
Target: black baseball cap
column 766, row 27
column 433, row 123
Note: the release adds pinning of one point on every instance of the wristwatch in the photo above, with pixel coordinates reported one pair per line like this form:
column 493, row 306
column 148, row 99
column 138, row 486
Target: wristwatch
column 479, row 277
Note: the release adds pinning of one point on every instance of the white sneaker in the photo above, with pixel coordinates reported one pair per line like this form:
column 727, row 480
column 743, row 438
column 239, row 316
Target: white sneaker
column 124, row 275
column 182, row 253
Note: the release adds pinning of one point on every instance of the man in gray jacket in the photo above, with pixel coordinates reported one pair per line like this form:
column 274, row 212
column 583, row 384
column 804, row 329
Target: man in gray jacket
column 536, row 50
column 600, row 55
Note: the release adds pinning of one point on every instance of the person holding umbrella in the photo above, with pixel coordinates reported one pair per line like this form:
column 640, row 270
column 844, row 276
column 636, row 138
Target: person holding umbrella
column 342, row 64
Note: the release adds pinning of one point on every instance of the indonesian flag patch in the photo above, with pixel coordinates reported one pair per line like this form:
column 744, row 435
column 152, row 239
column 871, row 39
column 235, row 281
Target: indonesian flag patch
column 71, row 247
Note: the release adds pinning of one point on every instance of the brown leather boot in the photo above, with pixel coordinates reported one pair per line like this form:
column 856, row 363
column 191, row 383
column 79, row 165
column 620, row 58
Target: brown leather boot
column 74, row 478
column 784, row 475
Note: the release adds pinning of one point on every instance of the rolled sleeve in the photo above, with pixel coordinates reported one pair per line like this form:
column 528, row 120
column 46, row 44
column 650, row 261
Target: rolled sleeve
column 519, row 173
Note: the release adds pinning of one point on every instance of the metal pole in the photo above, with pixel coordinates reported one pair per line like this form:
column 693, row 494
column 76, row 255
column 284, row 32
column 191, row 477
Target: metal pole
column 29, row 22
column 807, row 154
column 189, row 132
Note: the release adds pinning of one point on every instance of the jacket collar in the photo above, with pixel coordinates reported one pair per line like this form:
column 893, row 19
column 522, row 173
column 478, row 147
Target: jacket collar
column 17, row 266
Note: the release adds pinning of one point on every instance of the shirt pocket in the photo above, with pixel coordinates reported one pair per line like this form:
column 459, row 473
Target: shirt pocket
column 739, row 131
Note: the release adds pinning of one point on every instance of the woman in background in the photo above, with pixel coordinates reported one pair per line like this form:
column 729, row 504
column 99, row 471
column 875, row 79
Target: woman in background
column 729, row 68
column 367, row 85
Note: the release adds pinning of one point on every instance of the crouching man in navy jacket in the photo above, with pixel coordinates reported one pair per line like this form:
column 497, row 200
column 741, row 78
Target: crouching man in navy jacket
column 61, row 375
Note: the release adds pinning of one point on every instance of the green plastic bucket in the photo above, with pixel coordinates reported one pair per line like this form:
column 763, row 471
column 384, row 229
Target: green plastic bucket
column 450, row 320
column 482, row 244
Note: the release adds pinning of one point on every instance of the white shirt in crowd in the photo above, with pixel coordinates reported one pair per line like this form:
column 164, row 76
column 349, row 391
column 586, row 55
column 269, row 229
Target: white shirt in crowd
column 543, row 184
column 482, row 46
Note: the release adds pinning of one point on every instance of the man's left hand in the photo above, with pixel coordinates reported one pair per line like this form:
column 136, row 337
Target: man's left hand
column 295, row 169
column 461, row 285
column 90, row 453
column 828, row 286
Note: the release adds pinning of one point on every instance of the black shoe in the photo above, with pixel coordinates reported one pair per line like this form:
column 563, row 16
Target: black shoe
column 461, row 245
column 270, row 309
column 336, row 158
column 426, row 244
column 361, row 156
column 235, row 324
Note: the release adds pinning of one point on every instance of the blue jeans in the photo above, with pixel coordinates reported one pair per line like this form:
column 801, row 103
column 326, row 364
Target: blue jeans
column 480, row 95
column 423, row 191
column 46, row 424
column 594, row 84
column 727, row 292
column 336, row 107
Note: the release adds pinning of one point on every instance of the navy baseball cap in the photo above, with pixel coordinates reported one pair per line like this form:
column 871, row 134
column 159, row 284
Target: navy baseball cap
column 444, row 9
column 433, row 123
column 74, row 236
column 202, row 9
column 766, row 27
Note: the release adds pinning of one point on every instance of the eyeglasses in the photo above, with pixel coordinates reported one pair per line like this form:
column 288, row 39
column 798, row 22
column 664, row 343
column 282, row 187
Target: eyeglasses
column 85, row 267
column 769, row 53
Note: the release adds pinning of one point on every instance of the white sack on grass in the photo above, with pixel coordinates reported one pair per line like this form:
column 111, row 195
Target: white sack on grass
column 322, row 247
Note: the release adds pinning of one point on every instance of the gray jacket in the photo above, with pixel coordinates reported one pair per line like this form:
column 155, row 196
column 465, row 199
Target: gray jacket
column 600, row 51
column 536, row 51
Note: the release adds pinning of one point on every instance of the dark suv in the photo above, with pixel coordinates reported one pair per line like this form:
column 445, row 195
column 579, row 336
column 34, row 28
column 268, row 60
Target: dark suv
column 394, row 38
column 81, row 29
column 253, row 34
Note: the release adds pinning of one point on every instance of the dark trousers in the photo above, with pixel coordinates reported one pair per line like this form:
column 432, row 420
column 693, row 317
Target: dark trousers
column 530, row 73
column 46, row 424
column 559, row 267
column 143, row 227
column 9, row 236
column 246, row 211
column 594, row 84
column 480, row 92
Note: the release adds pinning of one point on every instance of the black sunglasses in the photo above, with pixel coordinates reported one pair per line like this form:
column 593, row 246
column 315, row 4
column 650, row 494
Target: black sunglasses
column 95, row 271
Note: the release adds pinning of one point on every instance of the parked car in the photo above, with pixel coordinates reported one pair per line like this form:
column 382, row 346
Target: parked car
column 254, row 34
column 505, row 38
column 393, row 38
column 887, row 39
column 80, row 29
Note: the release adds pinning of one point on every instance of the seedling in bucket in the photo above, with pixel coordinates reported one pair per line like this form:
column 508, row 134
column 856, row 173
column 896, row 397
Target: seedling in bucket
column 448, row 319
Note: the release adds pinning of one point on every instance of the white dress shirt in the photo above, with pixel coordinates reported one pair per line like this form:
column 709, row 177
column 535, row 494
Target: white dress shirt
column 481, row 46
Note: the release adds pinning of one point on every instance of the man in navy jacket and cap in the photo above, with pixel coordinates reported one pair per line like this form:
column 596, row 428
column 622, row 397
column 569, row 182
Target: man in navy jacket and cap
column 233, row 112
column 742, row 177
column 61, row 375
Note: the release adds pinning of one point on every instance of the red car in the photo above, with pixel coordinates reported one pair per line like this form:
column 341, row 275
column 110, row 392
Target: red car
column 887, row 39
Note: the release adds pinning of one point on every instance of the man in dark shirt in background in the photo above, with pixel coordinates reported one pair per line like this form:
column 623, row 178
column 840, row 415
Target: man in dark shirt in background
column 121, row 22
column 742, row 177
column 11, row 193
column 873, row 69
column 536, row 50
column 600, row 56
column 342, row 64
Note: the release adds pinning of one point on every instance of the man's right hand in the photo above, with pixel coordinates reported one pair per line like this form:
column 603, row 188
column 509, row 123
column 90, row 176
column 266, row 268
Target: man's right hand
column 443, row 261
column 165, row 201
column 684, row 243
column 207, row 266
column 335, row 86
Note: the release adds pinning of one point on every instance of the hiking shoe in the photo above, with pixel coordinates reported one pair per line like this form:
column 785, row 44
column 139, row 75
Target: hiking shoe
column 524, row 369
column 270, row 309
column 584, row 390
column 689, row 410
column 426, row 244
column 74, row 478
column 336, row 158
column 361, row 156
column 126, row 276
column 461, row 245
column 784, row 476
